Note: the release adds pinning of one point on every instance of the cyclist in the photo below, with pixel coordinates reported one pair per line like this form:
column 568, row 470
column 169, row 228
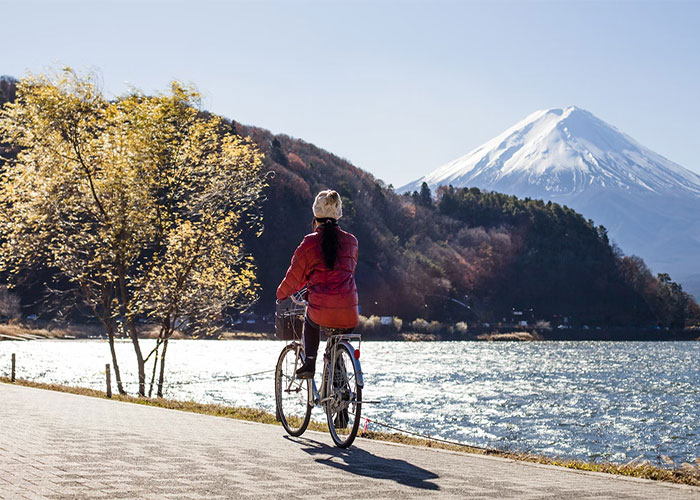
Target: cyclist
column 325, row 262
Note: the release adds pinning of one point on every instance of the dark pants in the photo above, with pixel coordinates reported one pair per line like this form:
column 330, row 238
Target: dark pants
column 312, row 337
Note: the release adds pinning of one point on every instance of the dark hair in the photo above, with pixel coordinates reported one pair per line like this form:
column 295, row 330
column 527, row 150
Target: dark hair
column 329, row 240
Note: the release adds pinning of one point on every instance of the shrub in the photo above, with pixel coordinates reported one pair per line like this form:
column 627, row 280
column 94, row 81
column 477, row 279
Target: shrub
column 419, row 325
column 369, row 325
column 373, row 323
column 9, row 304
column 435, row 327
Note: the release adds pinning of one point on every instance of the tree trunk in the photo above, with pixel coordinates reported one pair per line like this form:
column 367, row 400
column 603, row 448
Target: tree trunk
column 139, row 359
column 162, row 368
column 155, row 364
column 115, row 365
column 132, row 328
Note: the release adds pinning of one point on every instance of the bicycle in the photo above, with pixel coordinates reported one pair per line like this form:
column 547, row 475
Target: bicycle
column 340, row 394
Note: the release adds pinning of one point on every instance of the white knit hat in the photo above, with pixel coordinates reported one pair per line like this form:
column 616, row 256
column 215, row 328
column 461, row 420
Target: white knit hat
column 327, row 205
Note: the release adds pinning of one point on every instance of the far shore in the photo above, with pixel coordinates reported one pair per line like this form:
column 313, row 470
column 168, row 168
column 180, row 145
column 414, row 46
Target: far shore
column 37, row 330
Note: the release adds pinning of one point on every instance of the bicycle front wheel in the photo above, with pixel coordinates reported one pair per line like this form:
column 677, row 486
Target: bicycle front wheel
column 344, row 393
column 292, row 395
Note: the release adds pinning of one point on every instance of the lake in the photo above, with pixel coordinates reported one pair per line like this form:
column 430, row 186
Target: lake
column 594, row 401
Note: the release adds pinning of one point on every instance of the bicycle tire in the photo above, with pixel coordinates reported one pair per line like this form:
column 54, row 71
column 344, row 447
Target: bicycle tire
column 292, row 396
column 342, row 411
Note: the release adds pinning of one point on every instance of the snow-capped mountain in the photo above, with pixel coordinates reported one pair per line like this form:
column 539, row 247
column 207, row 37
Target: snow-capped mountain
column 650, row 205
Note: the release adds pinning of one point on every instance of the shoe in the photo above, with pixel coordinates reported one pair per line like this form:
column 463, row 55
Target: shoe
column 308, row 369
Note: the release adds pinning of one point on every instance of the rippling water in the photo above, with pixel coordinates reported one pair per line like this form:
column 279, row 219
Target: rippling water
column 612, row 401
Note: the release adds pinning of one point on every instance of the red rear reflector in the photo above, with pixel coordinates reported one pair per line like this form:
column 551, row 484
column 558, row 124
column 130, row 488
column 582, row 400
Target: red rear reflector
column 357, row 354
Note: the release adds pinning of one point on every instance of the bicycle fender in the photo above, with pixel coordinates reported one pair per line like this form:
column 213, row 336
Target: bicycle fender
column 356, row 362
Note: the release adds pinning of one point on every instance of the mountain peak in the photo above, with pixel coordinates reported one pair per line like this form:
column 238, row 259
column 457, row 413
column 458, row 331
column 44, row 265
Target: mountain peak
column 561, row 151
column 650, row 205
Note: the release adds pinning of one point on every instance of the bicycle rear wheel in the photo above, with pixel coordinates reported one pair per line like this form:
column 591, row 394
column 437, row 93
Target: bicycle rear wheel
column 344, row 392
column 292, row 395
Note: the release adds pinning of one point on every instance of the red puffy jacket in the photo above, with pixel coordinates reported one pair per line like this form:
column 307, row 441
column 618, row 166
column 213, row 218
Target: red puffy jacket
column 332, row 292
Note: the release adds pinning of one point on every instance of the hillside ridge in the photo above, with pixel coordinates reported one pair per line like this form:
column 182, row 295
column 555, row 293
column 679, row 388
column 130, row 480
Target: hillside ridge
column 649, row 204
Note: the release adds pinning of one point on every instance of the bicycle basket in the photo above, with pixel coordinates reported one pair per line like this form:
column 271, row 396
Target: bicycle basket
column 289, row 320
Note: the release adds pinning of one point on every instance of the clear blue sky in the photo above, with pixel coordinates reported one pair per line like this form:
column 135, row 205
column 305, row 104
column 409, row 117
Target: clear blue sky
column 398, row 88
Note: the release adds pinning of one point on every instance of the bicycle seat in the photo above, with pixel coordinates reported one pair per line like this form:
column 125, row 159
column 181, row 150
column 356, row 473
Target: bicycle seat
column 335, row 331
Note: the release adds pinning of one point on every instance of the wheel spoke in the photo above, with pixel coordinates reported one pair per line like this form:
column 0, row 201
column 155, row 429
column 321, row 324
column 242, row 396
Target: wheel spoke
column 292, row 394
column 342, row 412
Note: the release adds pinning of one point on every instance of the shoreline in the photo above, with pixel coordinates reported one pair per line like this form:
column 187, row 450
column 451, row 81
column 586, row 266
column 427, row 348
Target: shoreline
column 19, row 332
column 687, row 474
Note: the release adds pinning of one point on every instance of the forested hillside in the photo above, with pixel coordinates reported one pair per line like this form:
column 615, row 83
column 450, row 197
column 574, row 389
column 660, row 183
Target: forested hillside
column 454, row 255
column 458, row 254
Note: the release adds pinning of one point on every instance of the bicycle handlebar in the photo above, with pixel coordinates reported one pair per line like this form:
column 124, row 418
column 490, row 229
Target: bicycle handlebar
column 297, row 298
column 299, row 302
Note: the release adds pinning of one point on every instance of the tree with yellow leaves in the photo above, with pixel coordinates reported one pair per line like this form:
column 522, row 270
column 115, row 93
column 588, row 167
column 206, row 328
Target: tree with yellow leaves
column 139, row 202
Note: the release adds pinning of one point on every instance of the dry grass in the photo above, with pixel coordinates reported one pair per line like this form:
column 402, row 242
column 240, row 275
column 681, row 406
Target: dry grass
column 238, row 335
column 28, row 332
column 510, row 336
column 686, row 474
column 53, row 331
column 417, row 337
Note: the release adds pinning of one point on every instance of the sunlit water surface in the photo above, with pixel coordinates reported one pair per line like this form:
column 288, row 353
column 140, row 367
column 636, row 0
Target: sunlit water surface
column 612, row 401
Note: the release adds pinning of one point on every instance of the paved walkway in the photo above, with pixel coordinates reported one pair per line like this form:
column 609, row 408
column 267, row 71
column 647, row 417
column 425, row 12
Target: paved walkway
column 61, row 446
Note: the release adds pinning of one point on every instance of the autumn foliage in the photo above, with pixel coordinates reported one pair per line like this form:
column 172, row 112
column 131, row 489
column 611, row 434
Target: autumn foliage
column 423, row 254
column 138, row 204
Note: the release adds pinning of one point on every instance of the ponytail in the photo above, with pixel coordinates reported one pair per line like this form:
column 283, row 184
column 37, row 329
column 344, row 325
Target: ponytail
column 330, row 241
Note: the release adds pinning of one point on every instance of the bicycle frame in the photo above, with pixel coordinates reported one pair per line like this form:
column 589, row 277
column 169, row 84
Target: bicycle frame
column 336, row 340
column 344, row 340
column 318, row 398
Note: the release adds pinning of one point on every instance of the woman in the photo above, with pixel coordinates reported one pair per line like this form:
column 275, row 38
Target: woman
column 325, row 261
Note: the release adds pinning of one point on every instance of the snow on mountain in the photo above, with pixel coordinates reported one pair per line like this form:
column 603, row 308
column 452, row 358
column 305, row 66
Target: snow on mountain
column 650, row 205
column 564, row 151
